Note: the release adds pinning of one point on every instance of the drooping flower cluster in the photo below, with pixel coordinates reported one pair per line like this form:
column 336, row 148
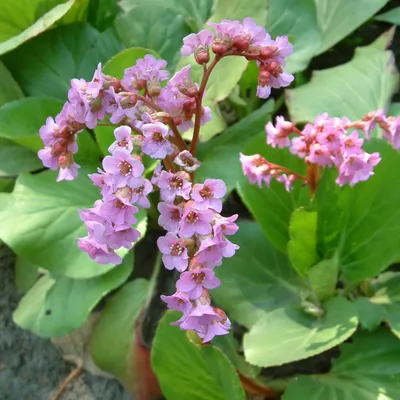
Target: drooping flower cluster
column 194, row 245
column 324, row 143
column 109, row 222
column 245, row 39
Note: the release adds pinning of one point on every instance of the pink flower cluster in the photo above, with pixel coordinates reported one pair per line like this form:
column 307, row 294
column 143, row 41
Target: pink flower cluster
column 245, row 39
column 138, row 101
column 194, row 245
column 122, row 185
column 325, row 143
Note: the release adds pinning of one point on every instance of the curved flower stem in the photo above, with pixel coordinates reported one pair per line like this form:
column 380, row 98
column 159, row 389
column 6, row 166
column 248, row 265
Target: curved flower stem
column 149, row 102
column 178, row 137
column 313, row 177
column 199, row 100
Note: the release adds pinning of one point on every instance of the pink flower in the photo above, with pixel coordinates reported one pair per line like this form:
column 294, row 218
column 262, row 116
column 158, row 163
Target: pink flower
column 93, row 88
column 351, row 144
column 256, row 168
column 49, row 132
column 320, row 155
column 118, row 212
column 224, row 225
column 187, row 161
column 170, row 216
column 209, row 194
column 278, row 135
column 182, row 82
column 192, row 282
column 68, row 173
column 140, row 188
column 174, row 252
column 123, row 168
column 193, row 41
column 124, row 139
column 172, row 185
column 299, row 147
column 195, row 221
column 178, row 302
column 357, row 167
column 155, row 144
column 100, row 253
column 49, row 160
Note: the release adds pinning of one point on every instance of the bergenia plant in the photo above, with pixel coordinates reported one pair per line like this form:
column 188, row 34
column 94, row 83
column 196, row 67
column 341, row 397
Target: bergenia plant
column 151, row 111
column 247, row 214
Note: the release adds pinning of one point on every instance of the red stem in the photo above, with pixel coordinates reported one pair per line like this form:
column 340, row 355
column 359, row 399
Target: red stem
column 199, row 100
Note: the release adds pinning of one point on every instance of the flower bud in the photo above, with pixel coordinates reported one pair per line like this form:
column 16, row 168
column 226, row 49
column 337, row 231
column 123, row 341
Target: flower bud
column 202, row 56
column 242, row 42
column 219, row 47
column 65, row 160
column 137, row 141
column 129, row 99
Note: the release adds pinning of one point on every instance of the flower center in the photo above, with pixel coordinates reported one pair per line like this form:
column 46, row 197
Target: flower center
column 192, row 217
column 175, row 183
column 138, row 191
column 157, row 137
column 123, row 143
column 176, row 249
column 125, row 168
column 198, row 277
column 206, row 193
column 175, row 215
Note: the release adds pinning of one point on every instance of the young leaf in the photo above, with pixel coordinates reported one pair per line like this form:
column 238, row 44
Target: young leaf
column 15, row 30
column 323, row 278
column 370, row 314
column 195, row 372
column 56, row 306
column 287, row 335
column 364, row 84
column 367, row 369
column 257, row 280
column 301, row 249
column 40, row 222
column 272, row 207
column 117, row 326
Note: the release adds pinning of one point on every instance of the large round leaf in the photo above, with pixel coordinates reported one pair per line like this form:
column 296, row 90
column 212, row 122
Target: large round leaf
column 19, row 23
column 367, row 369
column 272, row 207
column 287, row 334
column 117, row 326
column 257, row 280
column 21, row 120
column 363, row 222
column 56, row 306
column 189, row 371
column 364, row 84
column 57, row 56
column 9, row 88
column 40, row 222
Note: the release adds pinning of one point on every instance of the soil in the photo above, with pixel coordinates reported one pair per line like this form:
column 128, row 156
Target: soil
column 30, row 367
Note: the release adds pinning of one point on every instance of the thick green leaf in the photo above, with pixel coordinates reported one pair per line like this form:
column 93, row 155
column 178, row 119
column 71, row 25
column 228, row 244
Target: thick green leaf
column 102, row 13
column 7, row 186
column 367, row 369
column 366, row 217
column 57, row 56
column 211, row 376
column 392, row 16
column 9, row 88
column 157, row 28
column 56, row 306
column 115, row 67
column 19, row 20
column 302, row 248
column 394, row 109
column 323, row 278
column 387, row 296
column 288, row 335
column 15, row 159
column 257, row 280
column 117, row 326
column 364, row 84
column 220, row 156
column 40, row 222
column 370, row 314
column 298, row 20
column 272, row 207
column 194, row 13
column 25, row 130
column 337, row 18
column 229, row 70
column 26, row 274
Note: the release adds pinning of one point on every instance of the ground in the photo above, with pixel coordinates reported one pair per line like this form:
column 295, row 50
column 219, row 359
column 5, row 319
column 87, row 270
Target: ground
column 30, row 367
